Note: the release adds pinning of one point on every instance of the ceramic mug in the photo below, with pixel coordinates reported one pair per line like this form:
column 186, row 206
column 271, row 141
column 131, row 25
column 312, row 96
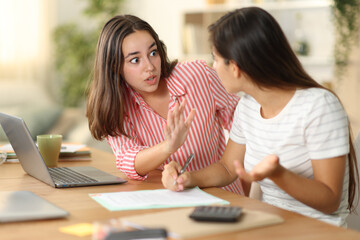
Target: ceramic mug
column 49, row 146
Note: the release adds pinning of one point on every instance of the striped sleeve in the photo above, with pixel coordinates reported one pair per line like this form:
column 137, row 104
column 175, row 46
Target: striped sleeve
column 327, row 133
column 125, row 150
column 225, row 102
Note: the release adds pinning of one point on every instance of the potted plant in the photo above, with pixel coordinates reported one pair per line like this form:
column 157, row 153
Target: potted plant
column 347, row 26
column 75, row 49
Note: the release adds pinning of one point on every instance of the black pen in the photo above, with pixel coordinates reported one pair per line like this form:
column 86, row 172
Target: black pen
column 183, row 169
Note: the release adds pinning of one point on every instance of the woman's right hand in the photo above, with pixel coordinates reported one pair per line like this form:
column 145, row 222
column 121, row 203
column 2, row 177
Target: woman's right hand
column 177, row 127
column 171, row 180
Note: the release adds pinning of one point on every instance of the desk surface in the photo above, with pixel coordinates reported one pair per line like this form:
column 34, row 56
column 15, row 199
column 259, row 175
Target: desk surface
column 83, row 209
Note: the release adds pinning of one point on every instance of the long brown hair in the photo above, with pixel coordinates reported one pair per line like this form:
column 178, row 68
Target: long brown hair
column 107, row 92
column 254, row 40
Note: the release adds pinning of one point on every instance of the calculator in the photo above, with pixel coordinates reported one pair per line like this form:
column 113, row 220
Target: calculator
column 216, row 213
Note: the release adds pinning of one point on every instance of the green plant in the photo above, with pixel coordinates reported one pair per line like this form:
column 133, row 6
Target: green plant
column 347, row 25
column 75, row 49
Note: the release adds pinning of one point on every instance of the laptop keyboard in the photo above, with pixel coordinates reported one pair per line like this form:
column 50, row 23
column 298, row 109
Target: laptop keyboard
column 67, row 176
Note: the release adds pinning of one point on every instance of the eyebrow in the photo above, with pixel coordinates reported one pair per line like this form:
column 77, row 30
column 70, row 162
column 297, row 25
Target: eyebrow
column 134, row 53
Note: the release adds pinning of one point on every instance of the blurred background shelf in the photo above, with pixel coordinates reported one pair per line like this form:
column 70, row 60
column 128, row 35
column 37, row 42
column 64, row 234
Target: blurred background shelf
column 295, row 17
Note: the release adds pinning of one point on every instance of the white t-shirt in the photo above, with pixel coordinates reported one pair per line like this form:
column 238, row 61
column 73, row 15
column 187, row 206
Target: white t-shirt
column 313, row 125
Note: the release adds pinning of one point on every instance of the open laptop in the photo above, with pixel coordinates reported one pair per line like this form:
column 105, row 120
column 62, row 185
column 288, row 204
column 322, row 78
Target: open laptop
column 31, row 161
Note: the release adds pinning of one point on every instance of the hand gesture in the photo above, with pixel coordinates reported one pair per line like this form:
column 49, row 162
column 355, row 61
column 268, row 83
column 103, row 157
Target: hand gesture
column 170, row 176
column 267, row 168
column 177, row 127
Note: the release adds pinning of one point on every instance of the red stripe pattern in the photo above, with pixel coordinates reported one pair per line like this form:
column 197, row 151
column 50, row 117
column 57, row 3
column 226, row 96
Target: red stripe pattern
column 200, row 85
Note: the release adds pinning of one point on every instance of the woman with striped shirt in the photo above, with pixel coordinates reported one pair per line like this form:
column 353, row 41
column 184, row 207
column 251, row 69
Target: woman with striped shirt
column 152, row 111
column 289, row 134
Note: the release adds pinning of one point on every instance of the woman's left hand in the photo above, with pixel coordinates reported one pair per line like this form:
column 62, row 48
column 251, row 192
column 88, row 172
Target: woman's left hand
column 177, row 128
column 267, row 168
column 171, row 179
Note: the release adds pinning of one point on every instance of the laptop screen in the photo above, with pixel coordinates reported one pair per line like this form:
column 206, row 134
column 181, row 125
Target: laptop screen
column 25, row 148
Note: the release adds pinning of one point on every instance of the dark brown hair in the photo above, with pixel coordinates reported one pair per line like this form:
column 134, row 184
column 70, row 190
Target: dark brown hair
column 253, row 39
column 107, row 91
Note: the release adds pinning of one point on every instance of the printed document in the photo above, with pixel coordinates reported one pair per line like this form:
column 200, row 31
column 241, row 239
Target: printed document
column 160, row 198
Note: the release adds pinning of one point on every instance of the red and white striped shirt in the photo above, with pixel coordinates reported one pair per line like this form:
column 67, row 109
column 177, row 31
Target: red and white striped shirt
column 202, row 88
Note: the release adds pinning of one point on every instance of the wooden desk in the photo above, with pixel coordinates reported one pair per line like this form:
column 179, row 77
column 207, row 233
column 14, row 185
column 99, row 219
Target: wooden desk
column 83, row 209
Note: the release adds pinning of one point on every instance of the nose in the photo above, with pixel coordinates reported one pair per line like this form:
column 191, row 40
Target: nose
column 149, row 65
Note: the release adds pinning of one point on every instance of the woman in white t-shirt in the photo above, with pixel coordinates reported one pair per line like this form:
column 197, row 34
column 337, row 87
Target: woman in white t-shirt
column 289, row 134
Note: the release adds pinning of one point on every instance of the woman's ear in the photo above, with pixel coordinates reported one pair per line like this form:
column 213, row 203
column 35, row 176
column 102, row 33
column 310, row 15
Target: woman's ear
column 235, row 69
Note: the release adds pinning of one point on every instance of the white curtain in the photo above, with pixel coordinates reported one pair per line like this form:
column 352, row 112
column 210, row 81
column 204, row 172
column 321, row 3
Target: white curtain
column 25, row 38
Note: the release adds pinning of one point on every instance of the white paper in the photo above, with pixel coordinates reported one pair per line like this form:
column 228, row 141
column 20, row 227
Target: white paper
column 65, row 148
column 161, row 198
column 71, row 148
column 6, row 147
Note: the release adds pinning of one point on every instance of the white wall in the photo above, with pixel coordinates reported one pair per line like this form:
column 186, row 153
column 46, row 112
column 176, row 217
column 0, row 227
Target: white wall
column 69, row 11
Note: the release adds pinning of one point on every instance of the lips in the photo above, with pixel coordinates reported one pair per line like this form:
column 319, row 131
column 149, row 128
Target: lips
column 151, row 79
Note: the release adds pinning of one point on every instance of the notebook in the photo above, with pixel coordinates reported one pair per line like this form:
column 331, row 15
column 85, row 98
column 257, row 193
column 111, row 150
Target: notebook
column 25, row 205
column 31, row 161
